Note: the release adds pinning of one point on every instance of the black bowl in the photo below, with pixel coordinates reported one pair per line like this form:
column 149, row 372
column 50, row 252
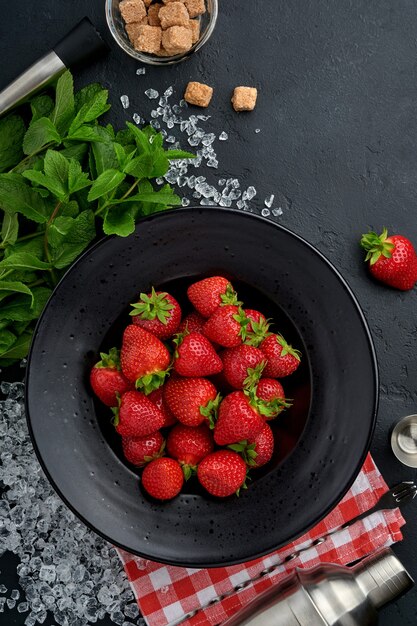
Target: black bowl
column 321, row 441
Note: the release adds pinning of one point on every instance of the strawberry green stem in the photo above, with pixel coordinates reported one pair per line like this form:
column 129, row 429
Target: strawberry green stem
column 377, row 246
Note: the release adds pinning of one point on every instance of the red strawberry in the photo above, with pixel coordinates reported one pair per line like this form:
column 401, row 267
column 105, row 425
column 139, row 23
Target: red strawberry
column 195, row 356
column 137, row 416
column 222, row 473
column 106, row 378
column 237, row 420
column 157, row 397
column 158, row 313
column 257, row 329
column 283, row 360
column 227, row 326
column 163, row 478
column 258, row 450
column 191, row 400
column 392, row 260
column 208, row 294
column 242, row 366
column 193, row 322
column 145, row 359
column 189, row 446
column 270, row 398
column 141, row 450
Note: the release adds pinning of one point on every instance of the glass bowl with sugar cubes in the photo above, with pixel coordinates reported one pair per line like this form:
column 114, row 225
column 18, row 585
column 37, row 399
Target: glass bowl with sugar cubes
column 161, row 32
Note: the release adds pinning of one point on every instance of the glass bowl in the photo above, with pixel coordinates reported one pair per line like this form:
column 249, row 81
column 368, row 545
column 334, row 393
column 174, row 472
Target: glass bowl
column 117, row 29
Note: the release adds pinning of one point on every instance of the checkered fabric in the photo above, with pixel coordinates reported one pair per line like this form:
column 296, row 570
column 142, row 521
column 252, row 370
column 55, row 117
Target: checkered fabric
column 168, row 595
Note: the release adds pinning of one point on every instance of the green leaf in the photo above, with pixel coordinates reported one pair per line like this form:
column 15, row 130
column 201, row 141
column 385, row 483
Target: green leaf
column 18, row 350
column 140, row 167
column 74, row 239
column 42, row 106
column 179, row 154
column 55, row 178
column 86, row 94
column 59, row 229
column 125, row 137
column 39, row 134
column 77, row 179
column 12, row 130
column 8, row 288
column 17, row 196
column 85, row 133
column 105, row 183
column 9, row 229
column 75, row 151
column 91, row 110
column 19, row 309
column 19, row 327
column 23, row 260
column 168, row 198
column 119, row 220
column 63, row 111
column 69, row 209
column 140, row 138
column 7, row 339
column 160, row 164
column 104, row 153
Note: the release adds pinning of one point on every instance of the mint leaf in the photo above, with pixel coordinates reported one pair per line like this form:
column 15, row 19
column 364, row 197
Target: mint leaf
column 9, row 229
column 23, row 260
column 18, row 350
column 63, row 111
column 119, row 220
column 164, row 196
column 69, row 209
column 140, row 138
column 39, row 134
column 56, row 174
column 20, row 310
column 86, row 94
column 104, row 153
column 7, row 339
column 141, row 166
column 77, row 179
column 160, row 164
column 179, row 154
column 41, row 106
column 12, row 130
column 8, row 288
column 73, row 240
column 91, row 110
column 17, row 196
column 85, row 133
column 106, row 182
column 75, row 151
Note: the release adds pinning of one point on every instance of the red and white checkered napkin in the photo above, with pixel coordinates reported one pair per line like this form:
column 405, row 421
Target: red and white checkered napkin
column 169, row 595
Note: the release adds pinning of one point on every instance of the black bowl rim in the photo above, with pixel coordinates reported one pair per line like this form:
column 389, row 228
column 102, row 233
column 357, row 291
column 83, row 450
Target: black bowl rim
column 103, row 241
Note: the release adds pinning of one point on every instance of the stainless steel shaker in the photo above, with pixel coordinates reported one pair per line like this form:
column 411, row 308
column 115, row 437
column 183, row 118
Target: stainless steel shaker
column 330, row 595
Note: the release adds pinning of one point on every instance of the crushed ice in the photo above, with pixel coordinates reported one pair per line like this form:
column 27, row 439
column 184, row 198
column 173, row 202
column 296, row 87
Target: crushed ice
column 65, row 569
column 125, row 101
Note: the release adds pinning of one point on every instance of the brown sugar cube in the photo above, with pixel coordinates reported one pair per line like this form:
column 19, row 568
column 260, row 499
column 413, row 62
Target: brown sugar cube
column 194, row 26
column 153, row 14
column 169, row 1
column 133, row 30
column 147, row 3
column 244, row 98
column 149, row 39
column 132, row 10
column 198, row 94
column 195, row 7
column 177, row 39
column 174, row 14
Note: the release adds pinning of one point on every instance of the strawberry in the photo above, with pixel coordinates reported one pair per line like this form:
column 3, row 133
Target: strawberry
column 258, row 450
column 141, row 450
column 237, row 420
column 227, row 326
column 270, row 398
column 257, row 329
column 163, row 478
column 392, row 260
column 208, row 294
column 106, row 378
column 137, row 416
column 222, row 473
column 191, row 400
column 157, row 397
column 158, row 313
column 189, row 446
column 145, row 360
column 193, row 322
column 283, row 360
column 242, row 366
column 195, row 356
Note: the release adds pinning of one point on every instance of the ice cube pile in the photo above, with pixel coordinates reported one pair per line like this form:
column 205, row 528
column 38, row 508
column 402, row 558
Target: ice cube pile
column 65, row 569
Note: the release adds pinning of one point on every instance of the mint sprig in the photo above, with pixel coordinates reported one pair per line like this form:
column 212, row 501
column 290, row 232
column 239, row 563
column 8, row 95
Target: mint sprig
column 65, row 177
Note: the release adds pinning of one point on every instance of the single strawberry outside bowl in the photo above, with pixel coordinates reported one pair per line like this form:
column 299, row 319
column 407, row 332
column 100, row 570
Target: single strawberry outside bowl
column 322, row 441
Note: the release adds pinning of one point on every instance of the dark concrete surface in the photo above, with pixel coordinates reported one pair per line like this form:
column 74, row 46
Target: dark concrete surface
column 337, row 111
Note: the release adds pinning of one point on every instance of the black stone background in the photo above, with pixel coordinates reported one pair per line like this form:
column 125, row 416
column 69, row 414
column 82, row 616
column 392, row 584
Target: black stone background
column 337, row 110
